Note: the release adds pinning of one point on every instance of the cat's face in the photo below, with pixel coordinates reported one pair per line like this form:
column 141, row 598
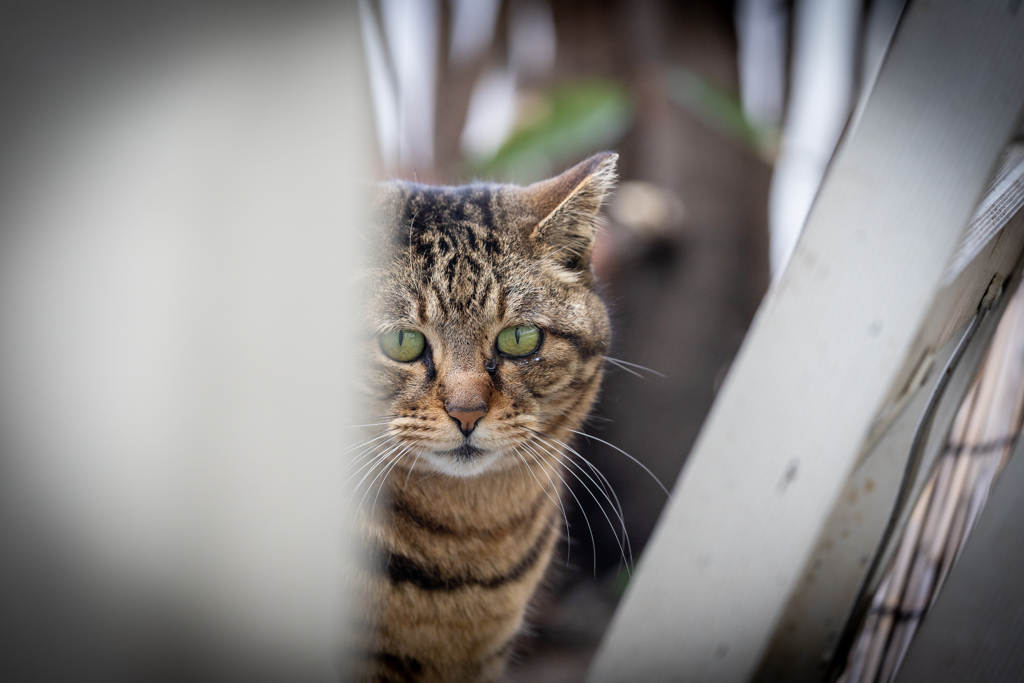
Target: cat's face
column 483, row 326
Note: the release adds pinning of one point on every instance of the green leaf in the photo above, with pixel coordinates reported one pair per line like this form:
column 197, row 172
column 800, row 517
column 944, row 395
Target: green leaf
column 577, row 119
column 718, row 109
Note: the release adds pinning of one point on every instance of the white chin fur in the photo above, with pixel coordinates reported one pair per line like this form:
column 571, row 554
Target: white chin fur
column 446, row 464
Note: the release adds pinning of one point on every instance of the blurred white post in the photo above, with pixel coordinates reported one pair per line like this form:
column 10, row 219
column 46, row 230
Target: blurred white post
column 762, row 28
column 412, row 29
column 824, row 66
column 176, row 321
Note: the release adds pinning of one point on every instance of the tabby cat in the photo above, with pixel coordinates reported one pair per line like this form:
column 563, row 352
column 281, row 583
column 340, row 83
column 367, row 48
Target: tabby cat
column 486, row 347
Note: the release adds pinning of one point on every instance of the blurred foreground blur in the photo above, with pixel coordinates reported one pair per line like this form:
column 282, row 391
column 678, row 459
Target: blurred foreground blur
column 179, row 191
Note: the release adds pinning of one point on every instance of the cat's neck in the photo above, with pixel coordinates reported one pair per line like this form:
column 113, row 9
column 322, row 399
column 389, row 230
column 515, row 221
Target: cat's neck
column 489, row 499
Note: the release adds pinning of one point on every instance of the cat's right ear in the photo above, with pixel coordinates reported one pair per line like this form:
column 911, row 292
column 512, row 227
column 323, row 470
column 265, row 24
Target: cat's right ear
column 567, row 208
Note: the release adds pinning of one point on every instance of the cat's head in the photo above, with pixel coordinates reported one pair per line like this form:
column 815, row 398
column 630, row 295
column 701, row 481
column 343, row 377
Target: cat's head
column 483, row 324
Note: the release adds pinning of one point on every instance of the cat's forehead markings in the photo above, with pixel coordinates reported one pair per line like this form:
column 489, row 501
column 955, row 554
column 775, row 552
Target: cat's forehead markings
column 421, row 310
column 454, row 251
column 442, row 221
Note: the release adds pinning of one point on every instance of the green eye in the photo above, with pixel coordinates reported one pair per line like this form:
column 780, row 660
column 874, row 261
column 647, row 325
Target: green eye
column 521, row 340
column 403, row 345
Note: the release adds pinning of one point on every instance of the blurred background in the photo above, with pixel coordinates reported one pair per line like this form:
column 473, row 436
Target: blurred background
column 176, row 177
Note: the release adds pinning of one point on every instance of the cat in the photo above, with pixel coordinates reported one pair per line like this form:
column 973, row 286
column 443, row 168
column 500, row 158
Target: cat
column 485, row 349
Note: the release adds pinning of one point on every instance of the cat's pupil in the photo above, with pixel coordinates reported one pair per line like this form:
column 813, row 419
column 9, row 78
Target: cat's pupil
column 517, row 336
column 401, row 336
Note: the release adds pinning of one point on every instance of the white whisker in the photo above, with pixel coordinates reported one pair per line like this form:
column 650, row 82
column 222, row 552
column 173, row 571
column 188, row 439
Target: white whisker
column 521, row 476
column 369, row 453
column 383, row 481
column 412, row 224
column 622, row 548
column 409, row 473
column 367, row 441
column 607, row 484
column 362, row 454
column 388, row 461
column 590, row 529
column 623, row 367
column 606, row 443
column 620, row 362
column 542, row 260
column 558, row 502
column 374, row 464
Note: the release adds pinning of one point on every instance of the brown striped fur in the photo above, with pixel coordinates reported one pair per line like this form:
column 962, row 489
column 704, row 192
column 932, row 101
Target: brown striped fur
column 466, row 525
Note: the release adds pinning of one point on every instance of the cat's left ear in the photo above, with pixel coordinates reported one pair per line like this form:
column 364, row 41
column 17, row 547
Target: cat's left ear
column 567, row 208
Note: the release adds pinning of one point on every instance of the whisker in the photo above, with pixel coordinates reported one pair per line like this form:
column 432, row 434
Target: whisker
column 361, row 457
column 589, row 419
column 383, row 481
column 382, row 416
column 412, row 226
column 593, row 543
column 620, row 363
column 375, row 462
column 367, row 441
column 622, row 548
column 382, row 460
column 616, row 505
column 428, row 475
column 409, row 473
column 558, row 502
column 522, row 476
column 607, row 484
column 558, row 445
column 594, row 438
column 389, row 463
column 608, row 491
column 542, row 260
column 623, row 367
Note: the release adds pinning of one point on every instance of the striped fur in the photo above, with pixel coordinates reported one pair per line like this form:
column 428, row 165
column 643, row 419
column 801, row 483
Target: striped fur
column 465, row 526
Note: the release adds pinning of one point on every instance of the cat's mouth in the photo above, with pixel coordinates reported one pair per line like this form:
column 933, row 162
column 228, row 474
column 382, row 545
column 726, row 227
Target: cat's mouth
column 464, row 453
column 463, row 461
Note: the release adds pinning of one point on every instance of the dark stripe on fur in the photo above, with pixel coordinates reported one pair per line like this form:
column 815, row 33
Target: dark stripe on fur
column 586, row 349
column 421, row 310
column 401, row 569
column 417, row 517
column 578, row 400
column 408, row 668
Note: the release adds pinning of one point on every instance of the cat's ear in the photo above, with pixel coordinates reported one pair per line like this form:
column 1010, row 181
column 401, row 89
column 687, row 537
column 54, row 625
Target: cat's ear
column 567, row 208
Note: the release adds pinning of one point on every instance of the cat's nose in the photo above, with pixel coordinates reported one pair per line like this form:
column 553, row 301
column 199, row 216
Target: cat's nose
column 467, row 416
